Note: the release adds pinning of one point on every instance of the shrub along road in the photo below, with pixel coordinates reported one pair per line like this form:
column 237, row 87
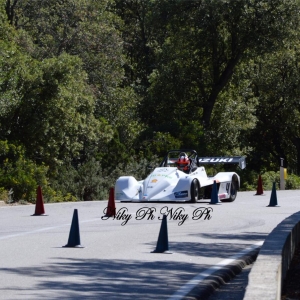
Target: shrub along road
column 116, row 261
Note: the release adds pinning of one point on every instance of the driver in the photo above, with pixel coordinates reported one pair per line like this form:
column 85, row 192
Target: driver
column 183, row 163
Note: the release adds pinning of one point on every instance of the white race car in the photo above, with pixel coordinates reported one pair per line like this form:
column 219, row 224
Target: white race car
column 168, row 183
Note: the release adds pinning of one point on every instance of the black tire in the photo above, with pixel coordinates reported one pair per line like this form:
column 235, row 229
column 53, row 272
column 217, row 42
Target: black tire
column 234, row 186
column 194, row 191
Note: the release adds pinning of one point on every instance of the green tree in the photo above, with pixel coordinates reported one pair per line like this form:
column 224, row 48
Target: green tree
column 234, row 115
column 276, row 82
column 89, row 30
column 20, row 175
column 206, row 41
column 53, row 112
column 144, row 24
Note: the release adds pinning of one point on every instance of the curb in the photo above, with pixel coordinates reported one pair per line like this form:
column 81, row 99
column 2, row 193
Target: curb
column 272, row 262
column 207, row 286
column 269, row 271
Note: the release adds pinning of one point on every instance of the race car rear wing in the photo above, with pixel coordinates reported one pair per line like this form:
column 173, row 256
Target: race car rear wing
column 240, row 160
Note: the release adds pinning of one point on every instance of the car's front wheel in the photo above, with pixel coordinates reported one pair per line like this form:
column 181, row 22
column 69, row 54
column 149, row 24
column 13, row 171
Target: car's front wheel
column 194, row 191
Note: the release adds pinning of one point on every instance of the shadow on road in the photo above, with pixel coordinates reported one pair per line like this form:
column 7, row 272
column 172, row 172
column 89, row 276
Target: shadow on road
column 74, row 278
column 102, row 279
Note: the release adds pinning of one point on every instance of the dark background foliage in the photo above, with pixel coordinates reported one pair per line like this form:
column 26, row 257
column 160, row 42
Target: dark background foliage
column 91, row 90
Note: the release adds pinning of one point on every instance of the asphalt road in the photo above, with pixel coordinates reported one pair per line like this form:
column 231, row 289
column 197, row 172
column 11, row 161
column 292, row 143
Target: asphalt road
column 116, row 260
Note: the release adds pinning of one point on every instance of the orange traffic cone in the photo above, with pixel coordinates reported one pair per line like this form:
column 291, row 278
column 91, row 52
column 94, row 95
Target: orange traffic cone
column 259, row 190
column 111, row 207
column 39, row 205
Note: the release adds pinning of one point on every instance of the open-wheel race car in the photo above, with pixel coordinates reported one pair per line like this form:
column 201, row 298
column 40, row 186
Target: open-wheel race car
column 181, row 176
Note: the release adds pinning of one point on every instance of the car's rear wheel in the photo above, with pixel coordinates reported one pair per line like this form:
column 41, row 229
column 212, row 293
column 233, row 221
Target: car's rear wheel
column 194, row 191
column 233, row 190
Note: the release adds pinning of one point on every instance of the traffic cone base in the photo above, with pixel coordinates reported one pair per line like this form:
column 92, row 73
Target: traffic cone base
column 40, row 215
column 74, row 236
column 164, row 252
column 111, row 206
column 259, row 190
column 77, row 246
column 273, row 199
column 162, row 245
column 39, row 206
column 214, row 194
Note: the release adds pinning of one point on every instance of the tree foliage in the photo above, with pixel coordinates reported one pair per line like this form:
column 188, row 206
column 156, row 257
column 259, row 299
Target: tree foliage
column 204, row 43
column 89, row 30
column 53, row 111
column 87, row 87
column 278, row 109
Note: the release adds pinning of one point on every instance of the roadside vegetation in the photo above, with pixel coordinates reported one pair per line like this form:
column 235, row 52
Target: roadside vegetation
column 91, row 90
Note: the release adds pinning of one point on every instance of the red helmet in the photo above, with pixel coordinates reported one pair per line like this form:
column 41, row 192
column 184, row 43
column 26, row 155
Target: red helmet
column 183, row 162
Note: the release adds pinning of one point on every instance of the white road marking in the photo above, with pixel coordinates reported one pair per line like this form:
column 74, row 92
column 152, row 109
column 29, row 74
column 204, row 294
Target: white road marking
column 185, row 289
column 42, row 229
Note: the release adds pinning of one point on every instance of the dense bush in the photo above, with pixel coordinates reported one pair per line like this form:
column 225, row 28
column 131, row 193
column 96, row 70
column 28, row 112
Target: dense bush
column 292, row 182
column 90, row 181
column 269, row 178
column 20, row 176
column 249, row 180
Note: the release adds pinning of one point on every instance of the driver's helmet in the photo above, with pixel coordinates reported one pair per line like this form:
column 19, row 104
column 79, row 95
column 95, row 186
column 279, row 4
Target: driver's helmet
column 183, row 162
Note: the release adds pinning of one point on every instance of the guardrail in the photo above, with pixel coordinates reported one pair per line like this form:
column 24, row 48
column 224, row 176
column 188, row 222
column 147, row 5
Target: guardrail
column 274, row 258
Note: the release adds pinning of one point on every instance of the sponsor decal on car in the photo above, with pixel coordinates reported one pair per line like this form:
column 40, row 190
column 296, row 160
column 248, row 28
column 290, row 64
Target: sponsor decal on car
column 227, row 186
column 162, row 175
column 181, row 194
column 154, row 180
column 163, row 170
column 212, row 160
